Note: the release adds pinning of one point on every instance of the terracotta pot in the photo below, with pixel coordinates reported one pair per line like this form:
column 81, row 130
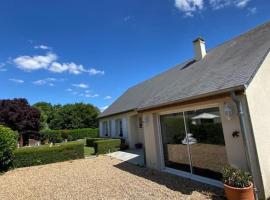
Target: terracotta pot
column 233, row 193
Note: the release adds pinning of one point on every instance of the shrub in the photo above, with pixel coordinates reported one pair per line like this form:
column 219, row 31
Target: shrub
column 82, row 133
column 29, row 156
column 90, row 141
column 57, row 136
column 8, row 142
column 236, row 177
column 106, row 146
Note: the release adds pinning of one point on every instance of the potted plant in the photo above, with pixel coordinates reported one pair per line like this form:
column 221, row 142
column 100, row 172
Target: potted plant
column 237, row 184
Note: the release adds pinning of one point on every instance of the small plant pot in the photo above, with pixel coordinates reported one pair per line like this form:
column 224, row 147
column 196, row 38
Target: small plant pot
column 233, row 193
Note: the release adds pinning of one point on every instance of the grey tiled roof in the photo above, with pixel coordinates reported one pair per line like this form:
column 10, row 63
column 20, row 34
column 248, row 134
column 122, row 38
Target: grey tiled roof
column 229, row 65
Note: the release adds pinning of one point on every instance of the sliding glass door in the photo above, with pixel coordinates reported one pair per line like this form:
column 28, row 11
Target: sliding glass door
column 173, row 133
column 193, row 141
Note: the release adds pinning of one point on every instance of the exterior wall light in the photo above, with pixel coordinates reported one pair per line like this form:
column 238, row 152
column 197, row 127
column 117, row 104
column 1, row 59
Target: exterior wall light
column 228, row 111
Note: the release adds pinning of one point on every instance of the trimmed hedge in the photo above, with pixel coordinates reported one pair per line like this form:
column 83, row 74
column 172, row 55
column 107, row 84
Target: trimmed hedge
column 107, row 146
column 29, row 156
column 57, row 136
column 90, row 141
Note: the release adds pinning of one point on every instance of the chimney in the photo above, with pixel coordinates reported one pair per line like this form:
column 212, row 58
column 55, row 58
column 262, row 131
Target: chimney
column 199, row 48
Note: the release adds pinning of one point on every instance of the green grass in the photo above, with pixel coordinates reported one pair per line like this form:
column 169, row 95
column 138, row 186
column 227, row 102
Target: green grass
column 88, row 151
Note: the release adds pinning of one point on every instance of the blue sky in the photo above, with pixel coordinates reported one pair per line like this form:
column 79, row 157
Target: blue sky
column 92, row 51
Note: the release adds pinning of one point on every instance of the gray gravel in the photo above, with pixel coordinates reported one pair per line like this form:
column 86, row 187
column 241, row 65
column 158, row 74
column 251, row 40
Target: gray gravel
column 98, row 178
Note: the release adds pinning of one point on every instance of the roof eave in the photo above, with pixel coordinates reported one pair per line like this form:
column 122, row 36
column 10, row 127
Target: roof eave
column 219, row 92
column 117, row 113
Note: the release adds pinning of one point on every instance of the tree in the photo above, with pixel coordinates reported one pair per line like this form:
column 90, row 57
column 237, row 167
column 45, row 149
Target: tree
column 73, row 116
column 18, row 115
column 45, row 113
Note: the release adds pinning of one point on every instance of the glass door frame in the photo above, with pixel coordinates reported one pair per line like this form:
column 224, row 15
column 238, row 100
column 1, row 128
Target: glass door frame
column 179, row 172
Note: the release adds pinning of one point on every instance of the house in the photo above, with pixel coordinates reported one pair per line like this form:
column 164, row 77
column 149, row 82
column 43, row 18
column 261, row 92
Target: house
column 210, row 111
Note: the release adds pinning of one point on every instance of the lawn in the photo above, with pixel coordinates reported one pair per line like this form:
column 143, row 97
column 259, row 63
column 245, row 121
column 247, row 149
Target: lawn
column 99, row 178
column 88, row 151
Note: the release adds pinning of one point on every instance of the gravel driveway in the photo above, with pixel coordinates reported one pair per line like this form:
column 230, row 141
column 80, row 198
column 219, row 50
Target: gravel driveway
column 98, row 178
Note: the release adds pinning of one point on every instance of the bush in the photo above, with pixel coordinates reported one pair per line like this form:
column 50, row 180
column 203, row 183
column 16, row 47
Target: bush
column 236, row 177
column 90, row 141
column 29, row 156
column 107, row 146
column 8, row 142
column 82, row 133
column 57, row 136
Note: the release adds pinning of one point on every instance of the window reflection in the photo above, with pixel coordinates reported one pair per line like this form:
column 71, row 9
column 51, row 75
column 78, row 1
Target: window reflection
column 194, row 138
column 173, row 133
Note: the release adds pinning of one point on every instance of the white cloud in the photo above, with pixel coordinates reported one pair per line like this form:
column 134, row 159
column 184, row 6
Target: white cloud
column 91, row 96
column 16, row 80
column 30, row 63
column 80, row 85
column 94, row 71
column 218, row 4
column 107, row 97
column 127, row 18
column 49, row 62
column 189, row 6
column 103, row 108
column 72, row 68
column 252, row 11
column 241, row 3
column 69, row 90
column 2, row 69
column 47, row 81
column 44, row 47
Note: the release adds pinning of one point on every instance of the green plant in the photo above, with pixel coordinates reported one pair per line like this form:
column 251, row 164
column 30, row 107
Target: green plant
column 82, row 133
column 107, row 146
column 236, row 177
column 88, row 151
column 57, row 136
column 8, row 142
column 29, row 156
column 90, row 141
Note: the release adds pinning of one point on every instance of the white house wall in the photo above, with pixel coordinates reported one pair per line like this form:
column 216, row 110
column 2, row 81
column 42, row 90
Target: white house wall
column 125, row 124
column 258, row 98
column 152, row 136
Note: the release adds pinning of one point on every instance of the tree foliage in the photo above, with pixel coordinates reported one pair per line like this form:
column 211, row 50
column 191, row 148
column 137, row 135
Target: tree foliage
column 45, row 110
column 8, row 141
column 18, row 115
column 69, row 116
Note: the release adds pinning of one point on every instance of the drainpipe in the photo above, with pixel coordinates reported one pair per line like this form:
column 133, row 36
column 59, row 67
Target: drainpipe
column 245, row 139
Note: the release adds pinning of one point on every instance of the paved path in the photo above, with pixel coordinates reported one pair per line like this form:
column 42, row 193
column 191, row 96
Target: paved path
column 134, row 156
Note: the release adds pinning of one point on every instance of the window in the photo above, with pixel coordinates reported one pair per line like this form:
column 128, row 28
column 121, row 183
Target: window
column 119, row 127
column 193, row 141
column 140, row 121
column 109, row 127
column 105, row 128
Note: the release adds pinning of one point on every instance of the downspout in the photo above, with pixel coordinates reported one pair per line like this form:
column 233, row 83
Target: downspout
column 245, row 139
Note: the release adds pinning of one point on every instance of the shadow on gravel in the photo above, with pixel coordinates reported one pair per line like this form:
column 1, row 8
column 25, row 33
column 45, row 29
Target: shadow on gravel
column 173, row 182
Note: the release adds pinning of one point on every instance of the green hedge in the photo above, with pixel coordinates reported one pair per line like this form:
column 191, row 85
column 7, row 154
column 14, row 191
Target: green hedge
column 90, row 141
column 71, row 135
column 29, row 156
column 106, row 146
